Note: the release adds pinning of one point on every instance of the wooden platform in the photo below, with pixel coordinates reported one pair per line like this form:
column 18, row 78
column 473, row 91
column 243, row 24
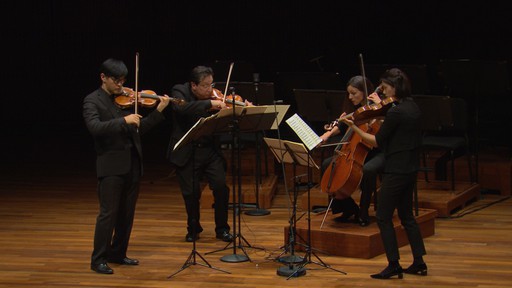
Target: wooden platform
column 266, row 192
column 352, row 240
column 439, row 196
column 435, row 195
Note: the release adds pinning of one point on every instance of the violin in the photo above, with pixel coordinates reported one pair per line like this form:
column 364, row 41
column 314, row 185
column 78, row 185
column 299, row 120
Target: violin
column 238, row 100
column 146, row 98
column 365, row 113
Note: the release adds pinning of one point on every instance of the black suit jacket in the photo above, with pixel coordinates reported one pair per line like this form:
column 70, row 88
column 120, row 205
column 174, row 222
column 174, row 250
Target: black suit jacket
column 400, row 137
column 184, row 117
column 113, row 138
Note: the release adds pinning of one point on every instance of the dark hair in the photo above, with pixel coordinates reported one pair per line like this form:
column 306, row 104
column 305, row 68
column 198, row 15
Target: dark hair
column 358, row 83
column 114, row 68
column 199, row 73
column 398, row 80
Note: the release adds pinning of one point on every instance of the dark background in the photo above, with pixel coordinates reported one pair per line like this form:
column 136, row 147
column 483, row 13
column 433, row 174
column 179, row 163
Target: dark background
column 52, row 51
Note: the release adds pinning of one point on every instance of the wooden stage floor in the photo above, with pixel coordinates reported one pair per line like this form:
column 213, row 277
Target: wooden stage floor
column 47, row 225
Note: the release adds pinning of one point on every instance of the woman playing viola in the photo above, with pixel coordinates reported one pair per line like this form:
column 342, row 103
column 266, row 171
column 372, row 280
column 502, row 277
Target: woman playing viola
column 399, row 138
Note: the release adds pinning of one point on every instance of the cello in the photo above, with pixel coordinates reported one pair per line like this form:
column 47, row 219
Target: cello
column 344, row 173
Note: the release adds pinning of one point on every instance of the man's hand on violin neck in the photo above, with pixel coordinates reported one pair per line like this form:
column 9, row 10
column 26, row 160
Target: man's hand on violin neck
column 218, row 104
column 164, row 101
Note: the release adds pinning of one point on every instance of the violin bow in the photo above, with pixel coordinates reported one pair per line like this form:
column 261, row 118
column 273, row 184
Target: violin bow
column 364, row 78
column 227, row 81
column 136, row 94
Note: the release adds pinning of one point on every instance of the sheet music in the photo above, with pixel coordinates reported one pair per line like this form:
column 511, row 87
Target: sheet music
column 305, row 133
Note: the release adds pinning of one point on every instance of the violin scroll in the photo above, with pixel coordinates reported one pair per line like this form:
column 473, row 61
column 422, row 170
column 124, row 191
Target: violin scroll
column 238, row 100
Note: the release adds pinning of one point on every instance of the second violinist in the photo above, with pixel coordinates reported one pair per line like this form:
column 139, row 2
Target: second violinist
column 203, row 158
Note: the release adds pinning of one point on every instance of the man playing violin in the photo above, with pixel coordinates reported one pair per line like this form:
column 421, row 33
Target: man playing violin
column 116, row 134
column 203, row 157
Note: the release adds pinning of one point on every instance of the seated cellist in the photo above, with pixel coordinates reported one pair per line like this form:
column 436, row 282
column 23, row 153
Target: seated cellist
column 374, row 161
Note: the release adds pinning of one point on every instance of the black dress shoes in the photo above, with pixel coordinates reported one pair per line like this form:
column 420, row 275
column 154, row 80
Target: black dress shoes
column 346, row 217
column 363, row 222
column 191, row 237
column 102, row 268
column 225, row 236
column 417, row 269
column 126, row 261
column 389, row 272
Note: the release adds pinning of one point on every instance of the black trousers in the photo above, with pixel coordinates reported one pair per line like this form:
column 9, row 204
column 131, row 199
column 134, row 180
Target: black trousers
column 118, row 197
column 208, row 163
column 372, row 167
column 396, row 192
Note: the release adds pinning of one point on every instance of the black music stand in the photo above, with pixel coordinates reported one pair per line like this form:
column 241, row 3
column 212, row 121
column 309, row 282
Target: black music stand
column 303, row 153
column 202, row 127
column 309, row 249
column 291, row 153
column 244, row 119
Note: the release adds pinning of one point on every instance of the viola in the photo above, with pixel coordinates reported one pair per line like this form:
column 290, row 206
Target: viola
column 372, row 111
column 365, row 113
column 146, row 98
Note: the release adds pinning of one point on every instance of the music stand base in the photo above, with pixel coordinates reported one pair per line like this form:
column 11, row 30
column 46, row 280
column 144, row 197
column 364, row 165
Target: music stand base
column 291, row 271
column 257, row 212
column 234, row 258
column 291, row 259
column 191, row 260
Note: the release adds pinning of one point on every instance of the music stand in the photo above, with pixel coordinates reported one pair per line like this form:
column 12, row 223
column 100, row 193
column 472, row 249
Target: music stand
column 290, row 153
column 245, row 119
column 310, row 140
column 202, row 127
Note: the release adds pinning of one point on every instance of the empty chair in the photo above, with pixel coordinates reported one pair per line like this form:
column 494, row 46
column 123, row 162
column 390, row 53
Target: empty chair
column 445, row 126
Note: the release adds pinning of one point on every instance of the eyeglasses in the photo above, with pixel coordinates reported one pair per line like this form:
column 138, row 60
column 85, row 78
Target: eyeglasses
column 118, row 81
column 206, row 86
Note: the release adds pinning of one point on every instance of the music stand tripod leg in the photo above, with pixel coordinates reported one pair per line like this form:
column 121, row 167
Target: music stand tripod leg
column 191, row 260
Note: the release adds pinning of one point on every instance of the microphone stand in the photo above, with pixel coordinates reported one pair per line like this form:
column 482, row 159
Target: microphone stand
column 258, row 211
